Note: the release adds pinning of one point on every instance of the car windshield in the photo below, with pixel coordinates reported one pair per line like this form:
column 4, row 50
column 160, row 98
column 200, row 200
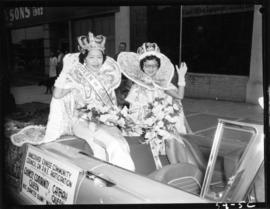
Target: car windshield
column 232, row 140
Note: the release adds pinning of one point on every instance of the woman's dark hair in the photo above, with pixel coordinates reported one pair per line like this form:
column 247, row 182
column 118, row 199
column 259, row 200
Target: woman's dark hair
column 82, row 56
column 150, row 57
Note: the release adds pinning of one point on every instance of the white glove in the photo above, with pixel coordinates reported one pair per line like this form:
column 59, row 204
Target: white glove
column 260, row 100
column 181, row 73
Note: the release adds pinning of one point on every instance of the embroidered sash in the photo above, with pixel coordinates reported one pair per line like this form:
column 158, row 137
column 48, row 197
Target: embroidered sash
column 81, row 70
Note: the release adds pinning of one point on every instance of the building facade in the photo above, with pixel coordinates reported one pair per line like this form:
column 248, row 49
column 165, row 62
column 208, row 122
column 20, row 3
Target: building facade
column 36, row 31
column 222, row 45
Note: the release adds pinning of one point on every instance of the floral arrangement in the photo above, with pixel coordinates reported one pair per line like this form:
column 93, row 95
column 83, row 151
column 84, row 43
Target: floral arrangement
column 124, row 119
column 160, row 124
column 157, row 123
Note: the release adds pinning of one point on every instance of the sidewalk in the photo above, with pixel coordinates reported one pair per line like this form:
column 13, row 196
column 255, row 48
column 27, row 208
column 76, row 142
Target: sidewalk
column 224, row 109
column 192, row 107
column 202, row 115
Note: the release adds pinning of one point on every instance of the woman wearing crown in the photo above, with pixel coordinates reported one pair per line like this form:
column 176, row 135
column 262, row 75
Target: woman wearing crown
column 88, row 77
column 152, row 72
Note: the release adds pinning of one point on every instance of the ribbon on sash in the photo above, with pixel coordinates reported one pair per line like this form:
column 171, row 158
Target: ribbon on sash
column 93, row 81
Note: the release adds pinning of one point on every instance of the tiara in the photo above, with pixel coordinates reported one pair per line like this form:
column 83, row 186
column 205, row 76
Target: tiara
column 91, row 42
column 148, row 49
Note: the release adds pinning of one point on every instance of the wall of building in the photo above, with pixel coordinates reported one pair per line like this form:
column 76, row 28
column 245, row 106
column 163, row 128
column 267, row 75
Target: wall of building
column 55, row 27
column 243, row 63
column 230, row 86
column 255, row 85
column 28, row 50
column 138, row 26
column 211, row 86
column 131, row 26
column 46, row 33
column 122, row 27
column 18, row 35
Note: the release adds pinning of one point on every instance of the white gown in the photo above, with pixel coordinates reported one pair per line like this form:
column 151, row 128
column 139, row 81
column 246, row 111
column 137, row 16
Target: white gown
column 64, row 114
column 139, row 97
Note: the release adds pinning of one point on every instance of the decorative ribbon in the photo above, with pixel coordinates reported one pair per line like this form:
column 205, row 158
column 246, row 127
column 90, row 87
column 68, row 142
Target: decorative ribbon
column 94, row 83
column 155, row 156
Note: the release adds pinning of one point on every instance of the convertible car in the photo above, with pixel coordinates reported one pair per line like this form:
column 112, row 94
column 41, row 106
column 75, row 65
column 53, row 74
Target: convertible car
column 225, row 168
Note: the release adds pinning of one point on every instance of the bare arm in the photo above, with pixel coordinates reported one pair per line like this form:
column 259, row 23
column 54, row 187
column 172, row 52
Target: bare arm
column 178, row 94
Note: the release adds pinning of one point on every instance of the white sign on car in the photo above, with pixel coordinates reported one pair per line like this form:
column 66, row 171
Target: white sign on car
column 48, row 180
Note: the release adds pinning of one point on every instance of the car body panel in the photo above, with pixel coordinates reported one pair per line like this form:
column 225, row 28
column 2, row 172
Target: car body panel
column 100, row 182
column 120, row 185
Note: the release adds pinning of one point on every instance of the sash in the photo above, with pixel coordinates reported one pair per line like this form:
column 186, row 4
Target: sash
column 94, row 83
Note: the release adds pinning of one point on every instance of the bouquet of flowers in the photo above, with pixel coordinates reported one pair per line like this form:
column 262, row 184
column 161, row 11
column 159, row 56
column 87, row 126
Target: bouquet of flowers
column 157, row 123
column 124, row 119
column 161, row 123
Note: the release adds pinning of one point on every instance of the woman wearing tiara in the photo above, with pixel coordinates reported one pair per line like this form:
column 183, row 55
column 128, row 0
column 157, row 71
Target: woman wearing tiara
column 152, row 72
column 88, row 78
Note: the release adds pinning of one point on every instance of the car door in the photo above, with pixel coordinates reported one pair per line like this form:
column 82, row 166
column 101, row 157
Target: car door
column 103, row 183
column 243, row 143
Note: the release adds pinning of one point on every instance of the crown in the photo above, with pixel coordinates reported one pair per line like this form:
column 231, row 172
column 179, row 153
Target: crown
column 91, row 42
column 148, row 49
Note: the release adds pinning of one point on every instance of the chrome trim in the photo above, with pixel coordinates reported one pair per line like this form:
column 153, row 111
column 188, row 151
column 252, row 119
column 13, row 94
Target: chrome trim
column 237, row 190
column 245, row 171
column 212, row 159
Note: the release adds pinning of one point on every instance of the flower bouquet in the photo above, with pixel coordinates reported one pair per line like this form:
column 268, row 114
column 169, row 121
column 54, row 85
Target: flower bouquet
column 157, row 122
column 113, row 116
column 161, row 123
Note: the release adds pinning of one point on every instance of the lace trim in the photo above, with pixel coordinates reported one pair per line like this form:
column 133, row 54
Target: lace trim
column 33, row 134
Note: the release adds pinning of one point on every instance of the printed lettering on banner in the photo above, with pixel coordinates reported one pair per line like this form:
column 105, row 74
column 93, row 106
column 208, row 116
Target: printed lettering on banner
column 47, row 180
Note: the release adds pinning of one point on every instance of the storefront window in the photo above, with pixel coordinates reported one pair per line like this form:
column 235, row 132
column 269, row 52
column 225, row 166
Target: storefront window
column 27, row 55
column 218, row 44
column 104, row 25
column 215, row 39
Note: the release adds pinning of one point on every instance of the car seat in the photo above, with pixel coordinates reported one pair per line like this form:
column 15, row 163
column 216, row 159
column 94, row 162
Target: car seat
column 181, row 175
column 187, row 175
